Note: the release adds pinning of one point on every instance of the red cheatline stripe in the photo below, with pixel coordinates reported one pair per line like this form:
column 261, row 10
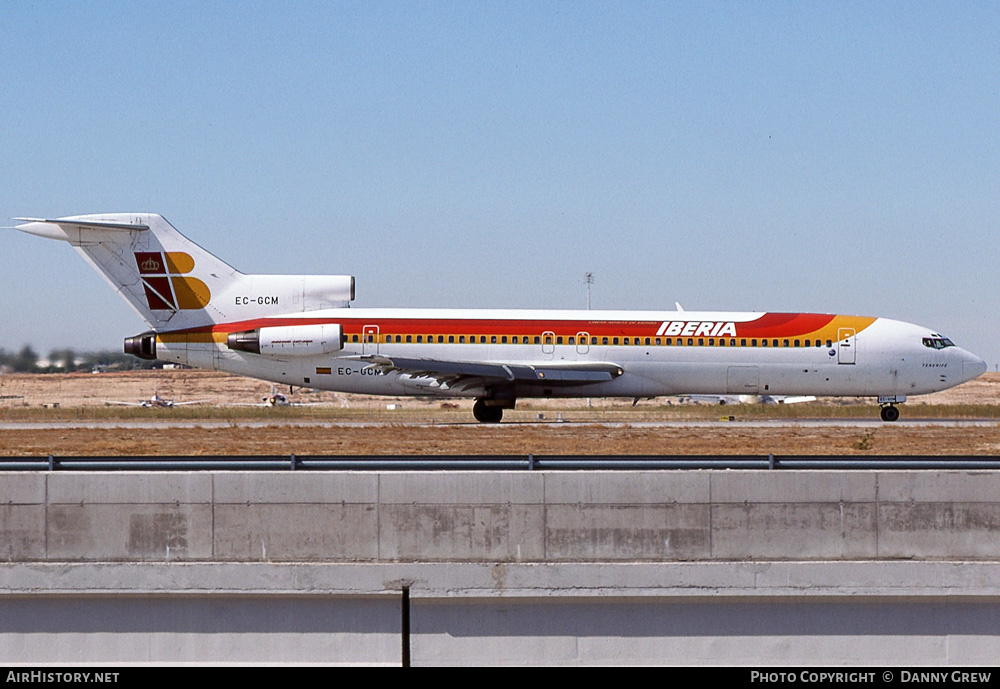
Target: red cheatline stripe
column 768, row 325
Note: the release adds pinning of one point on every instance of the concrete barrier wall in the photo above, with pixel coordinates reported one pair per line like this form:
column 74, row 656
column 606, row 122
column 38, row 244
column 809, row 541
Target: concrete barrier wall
column 732, row 567
column 499, row 516
column 902, row 613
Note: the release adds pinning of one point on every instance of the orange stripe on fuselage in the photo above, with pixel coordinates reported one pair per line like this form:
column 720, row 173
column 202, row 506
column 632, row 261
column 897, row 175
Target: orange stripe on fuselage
column 768, row 325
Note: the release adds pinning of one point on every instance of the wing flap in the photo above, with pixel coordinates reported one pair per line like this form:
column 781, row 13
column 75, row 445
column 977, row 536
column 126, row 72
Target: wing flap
column 446, row 371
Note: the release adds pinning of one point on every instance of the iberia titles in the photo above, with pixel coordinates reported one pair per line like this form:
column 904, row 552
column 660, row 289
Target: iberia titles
column 697, row 329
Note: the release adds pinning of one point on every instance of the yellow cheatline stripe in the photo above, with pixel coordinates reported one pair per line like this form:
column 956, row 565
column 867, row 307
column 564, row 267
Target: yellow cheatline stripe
column 831, row 331
column 191, row 338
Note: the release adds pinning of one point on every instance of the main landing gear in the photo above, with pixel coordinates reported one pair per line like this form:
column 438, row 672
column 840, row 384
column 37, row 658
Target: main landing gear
column 889, row 413
column 487, row 413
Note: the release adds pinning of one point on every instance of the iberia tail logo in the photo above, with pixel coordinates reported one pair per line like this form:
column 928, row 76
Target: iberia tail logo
column 167, row 285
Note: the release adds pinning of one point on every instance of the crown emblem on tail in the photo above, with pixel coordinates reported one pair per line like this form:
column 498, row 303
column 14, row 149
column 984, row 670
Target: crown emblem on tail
column 166, row 283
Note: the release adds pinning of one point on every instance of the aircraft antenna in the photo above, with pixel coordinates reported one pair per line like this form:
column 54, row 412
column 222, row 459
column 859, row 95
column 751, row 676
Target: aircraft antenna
column 588, row 280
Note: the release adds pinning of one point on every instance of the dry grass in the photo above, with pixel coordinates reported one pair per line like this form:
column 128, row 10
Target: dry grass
column 346, row 424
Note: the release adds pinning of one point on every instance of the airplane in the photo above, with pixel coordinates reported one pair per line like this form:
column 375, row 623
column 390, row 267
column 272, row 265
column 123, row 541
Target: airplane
column 280, row 399
column 301, row 330
column 154, row 402
column 749, row 399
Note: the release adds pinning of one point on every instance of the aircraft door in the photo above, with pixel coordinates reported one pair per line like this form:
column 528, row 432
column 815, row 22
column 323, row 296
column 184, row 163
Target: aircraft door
column 548, row 344
column 846, row 353
column 582, row 343
column 369, row 339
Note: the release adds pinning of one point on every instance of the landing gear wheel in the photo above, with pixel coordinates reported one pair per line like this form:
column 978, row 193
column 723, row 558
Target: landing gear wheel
column 889, row 413
column 486, row 414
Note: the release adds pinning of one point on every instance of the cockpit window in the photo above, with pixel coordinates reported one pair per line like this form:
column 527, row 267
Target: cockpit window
column 938, row 342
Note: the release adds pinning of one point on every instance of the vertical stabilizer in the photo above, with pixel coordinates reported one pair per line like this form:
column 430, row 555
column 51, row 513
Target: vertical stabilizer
column 166, row 277
column 173, row 283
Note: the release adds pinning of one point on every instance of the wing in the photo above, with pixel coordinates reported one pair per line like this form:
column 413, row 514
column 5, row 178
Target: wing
column 470, row 373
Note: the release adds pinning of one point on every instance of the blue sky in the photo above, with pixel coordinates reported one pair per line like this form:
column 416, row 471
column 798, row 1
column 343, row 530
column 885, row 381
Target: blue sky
column 837, row 157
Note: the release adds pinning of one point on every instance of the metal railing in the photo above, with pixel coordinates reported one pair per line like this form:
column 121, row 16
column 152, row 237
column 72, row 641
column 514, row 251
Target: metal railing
column 528, row 462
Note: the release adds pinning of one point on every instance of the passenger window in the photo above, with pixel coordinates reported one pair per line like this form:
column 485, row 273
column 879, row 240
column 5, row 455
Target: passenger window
column 614, row 341
column 451, row 339
column 829, row 343
column 572, row 340
column 722, row 342
column 690, row 342
column 784, row 343
column 648, row 342
column 701, row 341
column 559, row 340
column 420, row 338
column 753, row 342
column 797, row 343
column 659, row 342
column 604, row 340
column 763, row 343
column 538, row 340
column 493, row 339
column 461, row 339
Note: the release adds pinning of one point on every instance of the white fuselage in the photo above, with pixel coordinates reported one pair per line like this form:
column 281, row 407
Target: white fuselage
column 752, row 353
column 299, row 330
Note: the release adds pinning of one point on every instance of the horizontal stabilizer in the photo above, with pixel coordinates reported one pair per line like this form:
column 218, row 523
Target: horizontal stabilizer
column 79, row 224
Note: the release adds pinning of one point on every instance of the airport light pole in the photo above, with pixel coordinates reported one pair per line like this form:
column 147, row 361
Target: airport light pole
column 588, row 280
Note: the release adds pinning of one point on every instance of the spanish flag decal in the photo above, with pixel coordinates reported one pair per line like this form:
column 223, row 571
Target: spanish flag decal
column 165, row 282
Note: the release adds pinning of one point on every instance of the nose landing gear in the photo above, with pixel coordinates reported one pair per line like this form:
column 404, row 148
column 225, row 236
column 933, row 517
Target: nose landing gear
column 889, row 413
column 888, row 404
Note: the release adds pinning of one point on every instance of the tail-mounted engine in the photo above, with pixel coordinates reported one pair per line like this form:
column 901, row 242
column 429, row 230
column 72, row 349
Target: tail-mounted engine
column 142, row 346
column 289, row 340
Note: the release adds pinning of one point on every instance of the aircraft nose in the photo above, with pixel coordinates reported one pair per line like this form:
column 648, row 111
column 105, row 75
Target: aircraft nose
column 972, row 366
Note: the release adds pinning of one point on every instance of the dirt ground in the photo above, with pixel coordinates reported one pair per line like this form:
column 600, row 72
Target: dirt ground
column 224, row 422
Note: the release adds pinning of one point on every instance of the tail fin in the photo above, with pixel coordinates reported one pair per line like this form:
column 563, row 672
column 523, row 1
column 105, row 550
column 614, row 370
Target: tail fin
column 173, row 283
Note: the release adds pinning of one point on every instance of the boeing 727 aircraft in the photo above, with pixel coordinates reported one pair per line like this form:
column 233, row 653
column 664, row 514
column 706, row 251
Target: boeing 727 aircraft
column 299, row 330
